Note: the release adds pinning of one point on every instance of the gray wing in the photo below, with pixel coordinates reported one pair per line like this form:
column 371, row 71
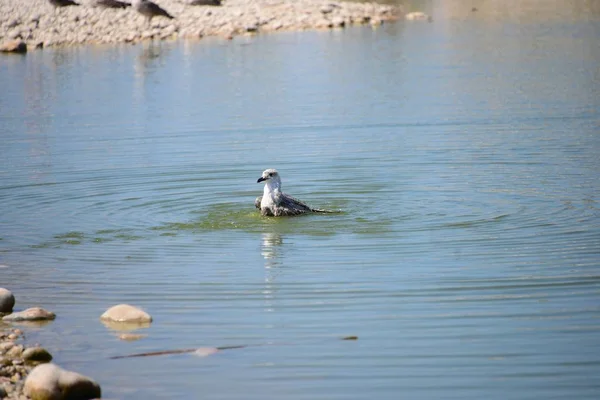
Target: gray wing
column 153, row 10
column 112, row 4
column 289, row 205
column 205, row 3
column 257, row 202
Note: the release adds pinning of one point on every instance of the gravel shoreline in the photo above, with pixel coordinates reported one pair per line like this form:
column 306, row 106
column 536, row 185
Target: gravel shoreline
column 38, row 24
column 12, row 366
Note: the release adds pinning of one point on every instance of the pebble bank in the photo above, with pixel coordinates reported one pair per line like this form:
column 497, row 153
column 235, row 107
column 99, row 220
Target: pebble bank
column 38, row 24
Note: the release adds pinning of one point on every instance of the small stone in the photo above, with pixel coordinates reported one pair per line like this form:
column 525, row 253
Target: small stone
column 327, row 9
column 3, row 393
column 5, row 347
column 12, row 336
column 50, row 382
column 15, row 351
column 126, row 313
column 338, row 22
column 130, row 337
column 7, row 299
column 31, row 314
column 13, row 23
column 205, row 351
column 36, row 355
column 416, row 16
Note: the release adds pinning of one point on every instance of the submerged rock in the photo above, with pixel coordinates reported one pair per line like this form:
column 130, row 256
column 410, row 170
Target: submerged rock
column 126, row 313
column 205, row 351
column 7, row 301
column 31, row 314
column 50, row 382
column 130, row 337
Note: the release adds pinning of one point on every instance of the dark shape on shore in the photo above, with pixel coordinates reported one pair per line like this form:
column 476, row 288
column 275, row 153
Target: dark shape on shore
column 149, row 9
column 112, row 4
column 182, row 351
column 205, row 3
column 63, row 3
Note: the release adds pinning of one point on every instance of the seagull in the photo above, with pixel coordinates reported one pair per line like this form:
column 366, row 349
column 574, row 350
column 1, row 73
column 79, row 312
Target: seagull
column 111, row 4
column 205, row 3
column 275, row 203
column 149, row 9
column 63, row 3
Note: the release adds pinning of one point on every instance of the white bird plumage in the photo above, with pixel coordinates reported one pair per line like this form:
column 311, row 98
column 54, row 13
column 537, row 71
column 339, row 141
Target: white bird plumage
column 275, row 203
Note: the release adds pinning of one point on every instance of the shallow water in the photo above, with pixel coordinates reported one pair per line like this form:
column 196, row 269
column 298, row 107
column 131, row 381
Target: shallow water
column 462, row 154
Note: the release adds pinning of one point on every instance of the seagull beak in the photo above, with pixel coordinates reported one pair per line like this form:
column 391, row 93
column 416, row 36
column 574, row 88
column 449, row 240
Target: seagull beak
column 261, row 179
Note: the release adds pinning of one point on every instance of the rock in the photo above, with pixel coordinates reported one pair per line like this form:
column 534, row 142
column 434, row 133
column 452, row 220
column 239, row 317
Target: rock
column 14, row 46
column 327, row 9
column 15, row 351
column 7, row 300
column 36, row 355
column 205, row 351
column 31, row 314
column 3, row 393
column 50, row 382
column 125, row 313
column 338, row 22
column 253, row 27
column 130, row 337
column 5, row 347
column 416, row 16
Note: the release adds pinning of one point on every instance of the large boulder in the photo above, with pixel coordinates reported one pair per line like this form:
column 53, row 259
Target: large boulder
column 50, row 382
column 31, row 314
column 7, row 301
column 126, row 313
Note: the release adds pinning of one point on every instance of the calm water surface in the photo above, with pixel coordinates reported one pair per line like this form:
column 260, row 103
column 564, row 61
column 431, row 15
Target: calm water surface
column 464, row 155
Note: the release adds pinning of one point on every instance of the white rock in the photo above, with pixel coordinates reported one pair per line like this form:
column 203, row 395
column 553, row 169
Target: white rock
column 50, row 382
column 126, row 313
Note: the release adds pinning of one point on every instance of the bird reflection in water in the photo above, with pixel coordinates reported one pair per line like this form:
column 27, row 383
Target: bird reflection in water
column 270, row 250
column 151, row 58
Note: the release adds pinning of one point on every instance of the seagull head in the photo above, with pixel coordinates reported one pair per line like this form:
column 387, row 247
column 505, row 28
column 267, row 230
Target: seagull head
column 269, row 175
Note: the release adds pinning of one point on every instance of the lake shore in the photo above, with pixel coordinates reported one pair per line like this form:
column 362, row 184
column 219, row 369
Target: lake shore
column 38, row 24
column 13, row 370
